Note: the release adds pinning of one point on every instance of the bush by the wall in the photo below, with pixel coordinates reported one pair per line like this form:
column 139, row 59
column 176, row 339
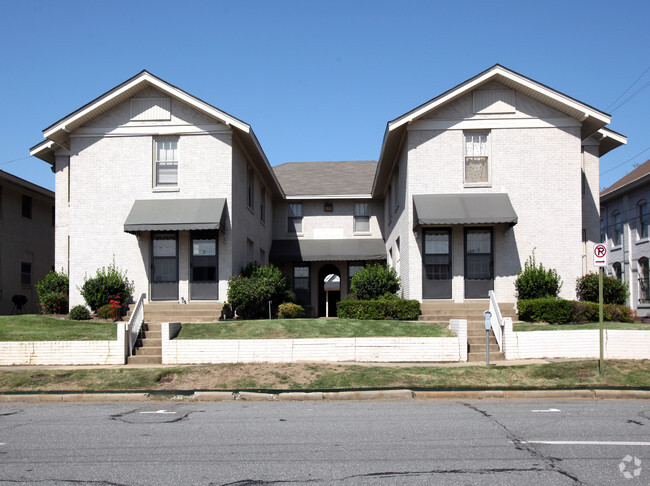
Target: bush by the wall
column 110, row 282
column 53, row 283
column 373, row 281
column 560, row 311
column 249, row 293
column 79, row 313
column 615, row 291
column 536, row 282
column 54, row 303
column 289, row 310
column 378, row 309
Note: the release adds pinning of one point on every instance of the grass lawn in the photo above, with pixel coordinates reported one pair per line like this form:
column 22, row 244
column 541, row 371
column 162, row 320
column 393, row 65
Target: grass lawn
column 542, row 326
column 311, row 328
column 33, row 327
column 331, row 376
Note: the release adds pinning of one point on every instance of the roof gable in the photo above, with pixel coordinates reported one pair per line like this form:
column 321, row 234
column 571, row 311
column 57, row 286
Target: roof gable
column 320, row 179
column 641, row 172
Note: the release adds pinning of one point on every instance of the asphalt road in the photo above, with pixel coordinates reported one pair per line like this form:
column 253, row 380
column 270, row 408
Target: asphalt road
column 326, row 443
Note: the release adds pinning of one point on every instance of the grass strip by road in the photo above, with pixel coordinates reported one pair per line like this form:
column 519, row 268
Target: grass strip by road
column 33, row 327
column 311, row 328
column 542, row 326
column 570, row 374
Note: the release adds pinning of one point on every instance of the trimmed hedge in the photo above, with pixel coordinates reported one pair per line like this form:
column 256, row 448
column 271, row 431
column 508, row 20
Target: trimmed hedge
column 288, row 310
column 560, row 311
column 402, row 309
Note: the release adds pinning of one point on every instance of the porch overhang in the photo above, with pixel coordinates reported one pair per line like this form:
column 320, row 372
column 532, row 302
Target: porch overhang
column 301, row 250
column 453, row 209
column 176, row 215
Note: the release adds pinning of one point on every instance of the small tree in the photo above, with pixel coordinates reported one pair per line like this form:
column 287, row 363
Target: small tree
column 536, row 282
column 109, row 283
column 614, row 291
column 53, row 292
column 374, row 281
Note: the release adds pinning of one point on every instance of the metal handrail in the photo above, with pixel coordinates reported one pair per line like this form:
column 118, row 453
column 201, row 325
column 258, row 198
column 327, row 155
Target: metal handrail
column 496, row 319
column 134, row 327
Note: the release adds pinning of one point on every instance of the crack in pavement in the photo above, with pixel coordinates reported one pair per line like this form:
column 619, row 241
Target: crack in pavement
column 120, row 417
column 550, row 462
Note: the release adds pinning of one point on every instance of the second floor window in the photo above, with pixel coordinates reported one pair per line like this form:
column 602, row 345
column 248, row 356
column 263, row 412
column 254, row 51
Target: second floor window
column 618, row 229
column 166, row 161
column 361, row 217
column 262, row 204
column 251, row 188
column 27, row 207
column 477, row 167
column 295, row 218
column 643, row 219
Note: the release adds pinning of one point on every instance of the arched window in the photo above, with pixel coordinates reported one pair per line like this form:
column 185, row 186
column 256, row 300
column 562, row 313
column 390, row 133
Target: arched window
column 616, row 270
column 644, row 277
column 617, row 228
column 642, row 208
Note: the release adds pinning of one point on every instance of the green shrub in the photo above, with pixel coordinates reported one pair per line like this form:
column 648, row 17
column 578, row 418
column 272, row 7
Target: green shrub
column 373, row 281
column 52, row 283
column 585, row 312
column 378, row 309
column 79, row 313
column 553, row 311
column 249, row 293
column 105, row 312
column 289, row 310
column 109, row 283
column 54, row 303
column 614, row 291
column 618, row 313
column 535, row 282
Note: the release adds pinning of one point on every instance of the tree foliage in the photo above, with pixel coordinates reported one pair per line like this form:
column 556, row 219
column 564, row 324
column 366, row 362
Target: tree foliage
column 374, row 281
column 536, row 282
column 614, row 291
column 250, row 292
column 108, row 283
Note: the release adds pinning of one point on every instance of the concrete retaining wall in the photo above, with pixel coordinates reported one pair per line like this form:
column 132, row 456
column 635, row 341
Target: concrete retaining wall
column 381, row 349
column 619, row 344
column 65, row 352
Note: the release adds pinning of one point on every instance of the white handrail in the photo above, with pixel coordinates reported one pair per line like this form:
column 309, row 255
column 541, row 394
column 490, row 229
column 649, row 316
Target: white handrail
column 134, row 326
column 496, row 319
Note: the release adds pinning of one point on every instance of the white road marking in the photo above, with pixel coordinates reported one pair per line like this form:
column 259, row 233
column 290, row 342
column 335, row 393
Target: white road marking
column 586, row 442
column 159, row 411
column 548, row 410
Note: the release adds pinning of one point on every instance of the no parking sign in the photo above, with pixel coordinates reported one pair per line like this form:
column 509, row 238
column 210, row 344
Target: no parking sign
column 600, row 255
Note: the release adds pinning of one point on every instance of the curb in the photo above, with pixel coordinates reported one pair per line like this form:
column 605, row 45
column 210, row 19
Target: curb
column 360, row 395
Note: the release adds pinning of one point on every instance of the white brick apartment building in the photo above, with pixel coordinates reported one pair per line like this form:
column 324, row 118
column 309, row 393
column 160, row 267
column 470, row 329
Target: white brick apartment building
column 181, row 194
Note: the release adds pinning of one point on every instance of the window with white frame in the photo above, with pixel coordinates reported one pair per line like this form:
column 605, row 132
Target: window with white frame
column 361, row 217
column 251, row 188
column 617, row 229
column 477, row 166
column 301, row 283
column 166, row 161
column 295, row 218
column 643, row 219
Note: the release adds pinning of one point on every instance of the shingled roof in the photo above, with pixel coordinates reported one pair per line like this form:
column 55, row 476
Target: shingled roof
column 341, row 178
column 640, row 172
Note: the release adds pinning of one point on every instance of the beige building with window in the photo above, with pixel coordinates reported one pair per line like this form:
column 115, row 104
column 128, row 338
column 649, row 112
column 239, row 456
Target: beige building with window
column 466, row 187
column 26, row 241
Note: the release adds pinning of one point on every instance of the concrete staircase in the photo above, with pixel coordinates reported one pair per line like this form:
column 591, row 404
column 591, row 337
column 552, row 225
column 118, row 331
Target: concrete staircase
column 148, row 347
column 472, row 311
column 174, row 312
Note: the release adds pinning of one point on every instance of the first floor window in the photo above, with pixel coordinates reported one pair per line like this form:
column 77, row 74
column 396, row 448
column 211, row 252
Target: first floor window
column 251, row 251
column 476, row 157
column 644, row 277
column 295, row 218
column 166, row 161
column 353, row 269
column 301, row 283
column 25, row 274
column 361, row 217
column 616, row 270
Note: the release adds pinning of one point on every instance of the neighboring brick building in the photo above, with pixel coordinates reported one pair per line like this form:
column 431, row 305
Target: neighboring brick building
column 467, row 185
column 624, row 222
column 26, row 240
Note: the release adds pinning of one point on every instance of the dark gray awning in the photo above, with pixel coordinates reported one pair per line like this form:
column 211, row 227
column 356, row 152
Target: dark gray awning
column 329, row 250
column 483, row 208
column 176, row 214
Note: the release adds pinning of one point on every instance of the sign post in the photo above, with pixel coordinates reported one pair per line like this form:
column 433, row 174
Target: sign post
column 600, row 260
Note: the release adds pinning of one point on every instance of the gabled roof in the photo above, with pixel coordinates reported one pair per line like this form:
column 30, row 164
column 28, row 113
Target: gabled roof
column 639, row 175
column 6, row 176
column 339, row 179
column 592, row 120
column 57, row 134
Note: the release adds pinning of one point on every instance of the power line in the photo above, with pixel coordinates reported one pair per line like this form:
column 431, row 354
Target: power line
column 14, row 160
column 622, row 163
column 632, row 96
column 628, row 89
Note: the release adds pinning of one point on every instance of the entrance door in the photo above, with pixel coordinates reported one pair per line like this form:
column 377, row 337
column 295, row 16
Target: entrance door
column 329, row 277
column 436, row 277
column 479, row 263
column 164, row 266
column 204, row 284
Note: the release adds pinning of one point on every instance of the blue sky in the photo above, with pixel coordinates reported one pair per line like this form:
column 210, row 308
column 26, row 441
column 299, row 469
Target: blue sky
column 317, row 80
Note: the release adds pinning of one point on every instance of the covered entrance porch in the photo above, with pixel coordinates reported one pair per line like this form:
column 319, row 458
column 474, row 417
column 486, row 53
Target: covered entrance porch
column 459, row 234
column 179, row 243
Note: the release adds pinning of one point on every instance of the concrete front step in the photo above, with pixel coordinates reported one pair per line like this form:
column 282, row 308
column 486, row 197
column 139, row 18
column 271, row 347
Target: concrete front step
column 475, row 357
column 143, row 359
column 148, row 351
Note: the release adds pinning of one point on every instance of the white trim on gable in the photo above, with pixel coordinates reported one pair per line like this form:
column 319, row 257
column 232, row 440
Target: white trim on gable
column 149, row 129
column 493, row 123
